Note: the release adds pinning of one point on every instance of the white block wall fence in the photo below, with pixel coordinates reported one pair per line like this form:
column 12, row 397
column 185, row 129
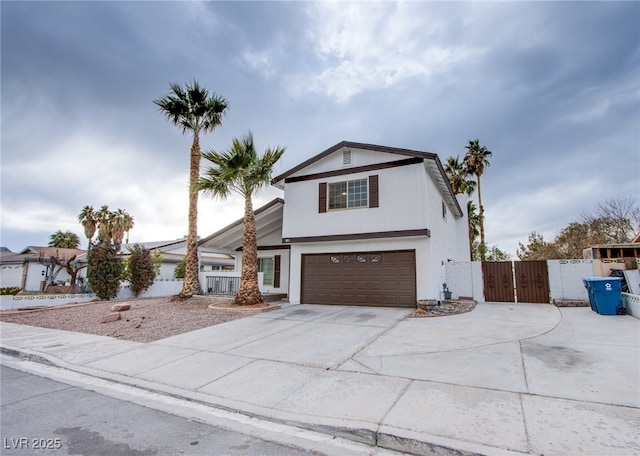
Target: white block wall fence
column 465, row 279
column 160, row 288
column 631, row 302
column 565, row 279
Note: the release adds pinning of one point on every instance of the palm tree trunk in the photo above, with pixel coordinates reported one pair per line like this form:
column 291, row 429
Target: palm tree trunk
column 191, row 283
column 249, row 291
column 470, row 239
column 483, row 249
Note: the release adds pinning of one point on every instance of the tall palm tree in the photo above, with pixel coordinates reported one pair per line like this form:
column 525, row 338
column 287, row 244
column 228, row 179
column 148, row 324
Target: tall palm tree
column 104, row 218
column 240, row 170
column 121, row 222
column 89, row 222
column 64, row 240
column 194, row 110
column 458, row 176
column 476, row 160
column 473, row 219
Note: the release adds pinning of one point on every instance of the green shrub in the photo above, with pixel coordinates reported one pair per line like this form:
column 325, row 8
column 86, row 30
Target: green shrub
column 104, row 271
column 140, row 271
column 157, row 261
column 10, row 290
column 180, row 269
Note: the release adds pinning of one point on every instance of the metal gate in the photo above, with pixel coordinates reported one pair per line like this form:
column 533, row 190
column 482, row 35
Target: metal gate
column 531, row 281
column 498, row 281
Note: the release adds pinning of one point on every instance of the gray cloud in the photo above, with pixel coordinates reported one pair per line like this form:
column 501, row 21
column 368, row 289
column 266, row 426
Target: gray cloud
column 551, row 87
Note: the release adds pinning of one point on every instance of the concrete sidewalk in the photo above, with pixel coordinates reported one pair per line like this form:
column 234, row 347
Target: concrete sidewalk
column 503, row 379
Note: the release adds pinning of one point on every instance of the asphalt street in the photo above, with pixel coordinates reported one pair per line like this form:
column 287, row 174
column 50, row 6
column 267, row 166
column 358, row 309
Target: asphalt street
column 43, row 416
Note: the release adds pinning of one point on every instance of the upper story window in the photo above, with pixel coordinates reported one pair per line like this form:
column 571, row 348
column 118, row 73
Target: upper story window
column 356, row 193
column 348, row 194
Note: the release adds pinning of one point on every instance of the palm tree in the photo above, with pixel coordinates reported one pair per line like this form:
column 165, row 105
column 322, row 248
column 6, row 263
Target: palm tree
column 89, row 222
column 476, row 160
column 457, row 173
column 193, row 110
column 458, row 176
column 241, row 170
column 121, row 222
column 64, row 240
column 104, row 218
column 473, row 218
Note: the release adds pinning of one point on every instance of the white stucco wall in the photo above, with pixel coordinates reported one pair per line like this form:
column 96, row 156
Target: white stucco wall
column 11, row 275
column 409, row 199
column 359, row 157
column 272, row 238
column 401, row 191
column 167, row 271
column 284, row 270
column 449, row 236
column 465, row 279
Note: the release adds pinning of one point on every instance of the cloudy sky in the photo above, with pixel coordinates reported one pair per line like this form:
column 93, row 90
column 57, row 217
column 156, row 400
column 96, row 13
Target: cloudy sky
column 552, row 88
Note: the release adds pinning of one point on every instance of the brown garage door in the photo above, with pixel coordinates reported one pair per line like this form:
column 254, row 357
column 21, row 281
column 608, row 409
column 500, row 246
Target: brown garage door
column 385, row 278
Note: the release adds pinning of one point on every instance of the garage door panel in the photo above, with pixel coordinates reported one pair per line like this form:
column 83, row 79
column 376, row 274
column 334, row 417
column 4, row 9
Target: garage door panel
column 385, row 278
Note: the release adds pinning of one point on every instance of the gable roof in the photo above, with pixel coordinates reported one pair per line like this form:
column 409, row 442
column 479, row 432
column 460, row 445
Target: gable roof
column 152, row 245
column 268, row 218
column 35, row 253
column 431, row 160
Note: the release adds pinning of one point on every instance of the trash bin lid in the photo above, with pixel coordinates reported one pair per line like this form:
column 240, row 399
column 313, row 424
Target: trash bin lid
column 602, row 279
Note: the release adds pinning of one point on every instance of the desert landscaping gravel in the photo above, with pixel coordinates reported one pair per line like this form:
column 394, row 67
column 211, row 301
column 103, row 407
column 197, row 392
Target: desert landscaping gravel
column 147, row 320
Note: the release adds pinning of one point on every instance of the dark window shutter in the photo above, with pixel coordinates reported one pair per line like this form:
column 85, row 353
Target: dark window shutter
column 276, row 271
column 322, row 197
column 373, row 191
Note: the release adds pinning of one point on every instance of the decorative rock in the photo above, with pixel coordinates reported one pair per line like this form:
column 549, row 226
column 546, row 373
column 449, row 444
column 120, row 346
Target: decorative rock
column 120, row 307
column 427, row 309
column 111, row 317
column 427, row 304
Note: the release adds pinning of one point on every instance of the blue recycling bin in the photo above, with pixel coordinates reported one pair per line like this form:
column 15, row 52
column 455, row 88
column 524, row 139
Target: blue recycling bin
column 605, row 294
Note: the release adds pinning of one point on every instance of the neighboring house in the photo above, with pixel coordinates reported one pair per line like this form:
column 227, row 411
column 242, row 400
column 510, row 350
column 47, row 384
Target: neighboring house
column 173, row 252
column 27, row 269
column 360, row 224
column 613, row 256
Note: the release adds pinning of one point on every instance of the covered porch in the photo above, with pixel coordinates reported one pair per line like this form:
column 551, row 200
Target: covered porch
column 273, row 255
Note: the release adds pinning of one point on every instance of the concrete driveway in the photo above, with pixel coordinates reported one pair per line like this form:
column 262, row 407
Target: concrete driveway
column 503, row 379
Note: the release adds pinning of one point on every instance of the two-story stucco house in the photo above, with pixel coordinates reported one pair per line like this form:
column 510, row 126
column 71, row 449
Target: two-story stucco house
column 360, row 224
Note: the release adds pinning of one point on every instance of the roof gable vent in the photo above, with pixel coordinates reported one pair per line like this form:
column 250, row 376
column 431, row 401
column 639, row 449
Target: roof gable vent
column 346, row 157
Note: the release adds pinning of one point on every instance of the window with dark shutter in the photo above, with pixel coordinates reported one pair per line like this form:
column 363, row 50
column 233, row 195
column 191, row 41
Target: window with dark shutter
column 322, row 197
column 373, row 191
